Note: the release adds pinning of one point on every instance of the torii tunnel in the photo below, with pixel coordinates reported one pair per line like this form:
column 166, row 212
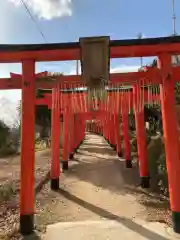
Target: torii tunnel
column 76, row 110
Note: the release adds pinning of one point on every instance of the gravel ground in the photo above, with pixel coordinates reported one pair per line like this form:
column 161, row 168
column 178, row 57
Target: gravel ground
column 96, row 186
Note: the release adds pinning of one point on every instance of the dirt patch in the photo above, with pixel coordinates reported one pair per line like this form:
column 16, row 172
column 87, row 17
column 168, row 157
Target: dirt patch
column 10, row 188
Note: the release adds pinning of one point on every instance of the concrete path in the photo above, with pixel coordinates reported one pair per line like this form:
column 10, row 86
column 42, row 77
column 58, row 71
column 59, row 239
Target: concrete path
column 107, row 230
column 100, row 199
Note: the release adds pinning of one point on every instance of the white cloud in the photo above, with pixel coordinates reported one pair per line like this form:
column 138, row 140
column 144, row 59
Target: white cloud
column 118, row 69
column 5, row 23
column 124, row 68
column 48, row 9
column 73, row 72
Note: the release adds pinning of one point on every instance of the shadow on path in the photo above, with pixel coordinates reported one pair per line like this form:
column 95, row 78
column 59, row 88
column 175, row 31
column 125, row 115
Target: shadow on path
column 101, row 150
column 41, row 184
column 108, row 172
column 94, row 145
column 33, row 236
column 106, row 214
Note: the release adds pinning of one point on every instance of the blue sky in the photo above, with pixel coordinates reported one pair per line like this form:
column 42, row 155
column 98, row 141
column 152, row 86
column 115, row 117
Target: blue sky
column 66, row 21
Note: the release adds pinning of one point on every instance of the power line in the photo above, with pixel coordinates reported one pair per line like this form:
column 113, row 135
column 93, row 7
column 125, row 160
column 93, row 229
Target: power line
column 33, row 19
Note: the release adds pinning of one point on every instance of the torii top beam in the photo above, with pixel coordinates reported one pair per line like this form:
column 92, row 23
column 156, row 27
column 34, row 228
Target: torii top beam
column 71, row 51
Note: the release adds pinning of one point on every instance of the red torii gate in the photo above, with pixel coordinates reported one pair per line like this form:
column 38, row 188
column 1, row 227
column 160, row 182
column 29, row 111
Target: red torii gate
column 29, row 54
column 125, row 100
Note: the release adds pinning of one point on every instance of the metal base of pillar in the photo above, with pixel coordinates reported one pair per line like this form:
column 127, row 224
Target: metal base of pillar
column 176, row 221
column 128, row 163
column 27, row 224
column 145, row 182
column 55, row 184
column 120, row 155
column 65, row 165
column 71, row 155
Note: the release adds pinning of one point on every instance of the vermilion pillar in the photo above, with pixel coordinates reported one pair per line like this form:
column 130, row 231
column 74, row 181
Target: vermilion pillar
column 127, row 145
column 71, row 155
column 55, row 139
column 170, row 127
column 105, row 127
column 65, row 140
column 114, row 131
column 117, row 135
column 27, row 193
column 83, row 129
column 110, row 128
column 141, row 137
column 101, row 124
column 78, row 131
column 75, row 132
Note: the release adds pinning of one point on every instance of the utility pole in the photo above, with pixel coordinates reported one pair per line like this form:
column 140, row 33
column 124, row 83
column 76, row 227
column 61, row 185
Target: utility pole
column 141, row 59
column 77, row 67
column 173, row 17
column 176, row 57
